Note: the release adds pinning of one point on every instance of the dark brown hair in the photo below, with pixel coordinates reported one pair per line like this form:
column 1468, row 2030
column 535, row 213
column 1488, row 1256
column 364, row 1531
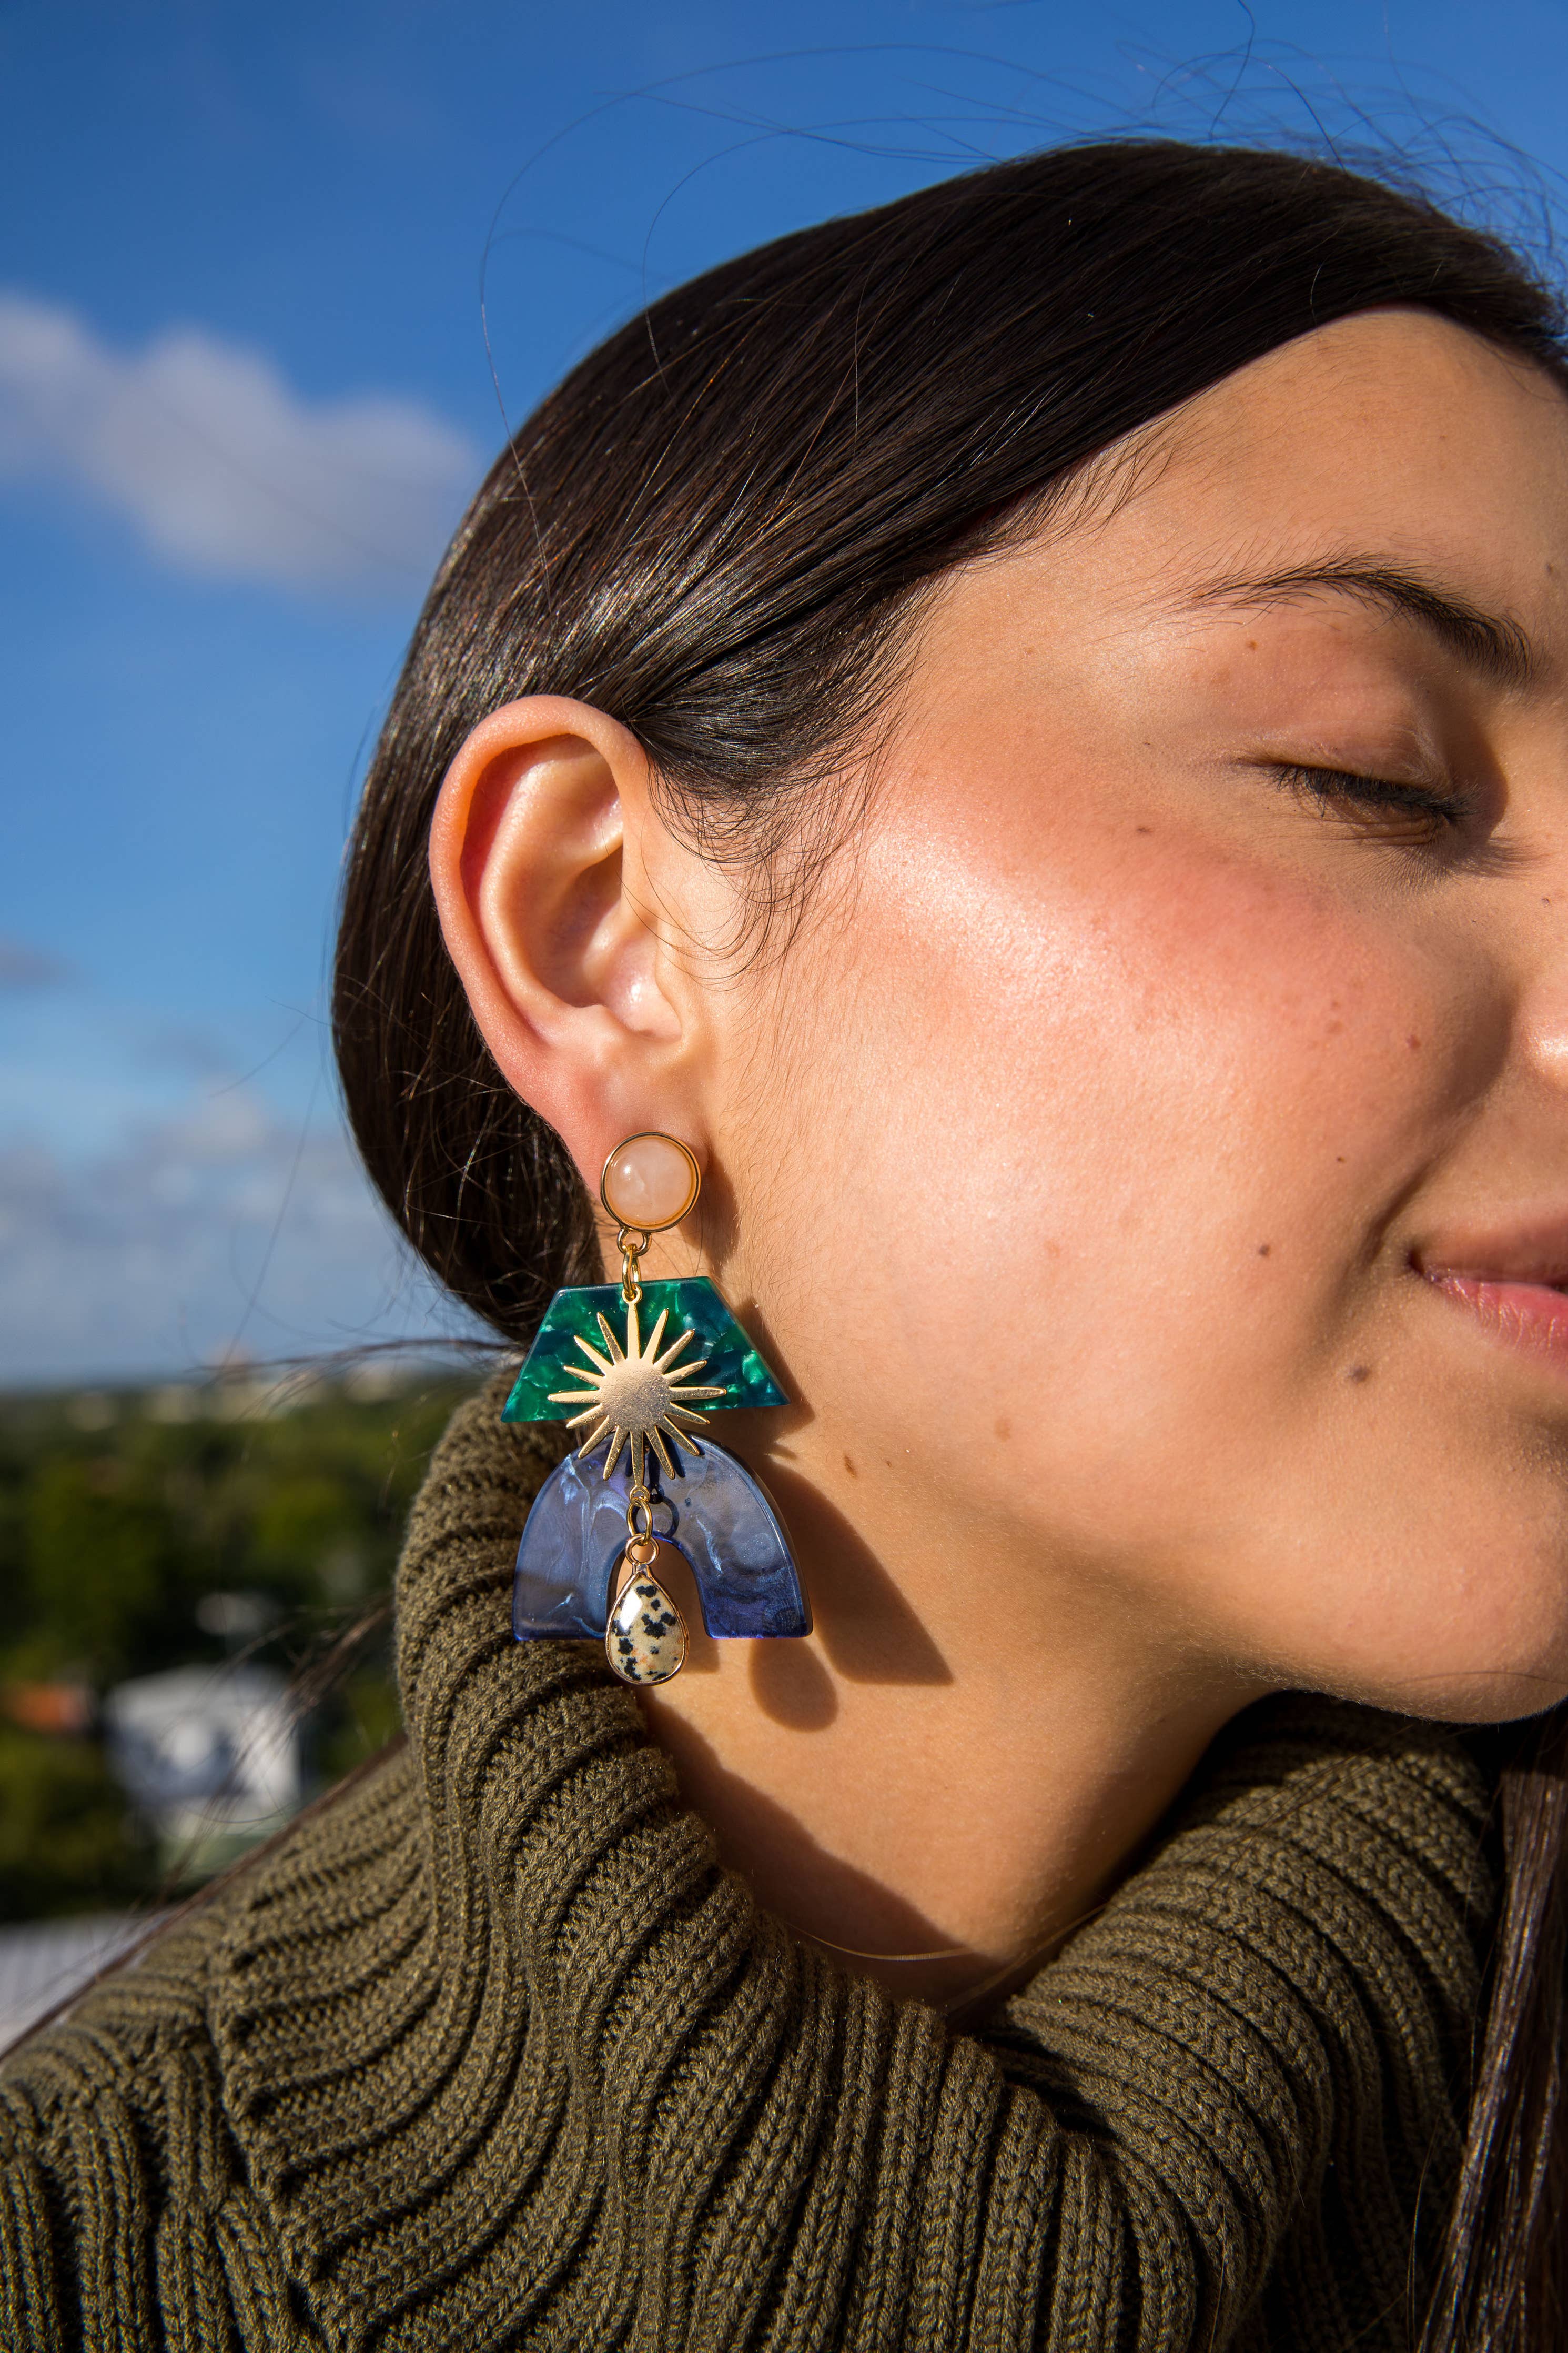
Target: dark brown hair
column 715, row 529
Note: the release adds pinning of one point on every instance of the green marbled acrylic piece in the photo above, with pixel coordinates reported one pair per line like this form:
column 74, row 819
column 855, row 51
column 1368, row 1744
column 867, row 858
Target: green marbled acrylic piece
column 732, row 1364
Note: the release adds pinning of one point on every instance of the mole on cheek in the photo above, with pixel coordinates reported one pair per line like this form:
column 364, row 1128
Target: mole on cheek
column 1264, row 1249
column 1359, row 1373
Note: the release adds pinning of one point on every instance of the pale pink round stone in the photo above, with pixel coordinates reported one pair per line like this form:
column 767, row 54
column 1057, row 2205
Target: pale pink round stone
column 650, row 1181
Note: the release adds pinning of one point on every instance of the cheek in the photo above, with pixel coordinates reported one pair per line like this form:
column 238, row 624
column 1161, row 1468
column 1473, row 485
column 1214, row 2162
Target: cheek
column 1164, row 1049
column 1100, row 1137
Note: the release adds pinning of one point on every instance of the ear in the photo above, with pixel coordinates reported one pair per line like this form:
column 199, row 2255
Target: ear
column 558, row 886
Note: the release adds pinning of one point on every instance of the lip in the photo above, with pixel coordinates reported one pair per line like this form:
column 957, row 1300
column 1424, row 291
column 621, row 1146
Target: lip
column 1513, row 1281
column 1525, row 1314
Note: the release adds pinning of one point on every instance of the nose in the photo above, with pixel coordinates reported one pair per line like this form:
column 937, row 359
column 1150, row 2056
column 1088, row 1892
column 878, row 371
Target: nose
column 1552, row 1053
column 1543, row 1028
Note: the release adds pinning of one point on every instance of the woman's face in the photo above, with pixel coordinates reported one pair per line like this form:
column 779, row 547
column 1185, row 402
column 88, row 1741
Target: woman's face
column 1157, row 1162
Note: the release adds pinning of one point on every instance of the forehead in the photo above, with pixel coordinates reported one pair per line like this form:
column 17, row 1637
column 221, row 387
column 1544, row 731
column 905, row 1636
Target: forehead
column 1395, row 443
column 1396, row 430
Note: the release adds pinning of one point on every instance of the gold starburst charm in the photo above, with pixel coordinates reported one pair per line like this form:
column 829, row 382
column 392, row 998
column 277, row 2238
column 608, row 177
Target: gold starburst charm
column 632, row 1395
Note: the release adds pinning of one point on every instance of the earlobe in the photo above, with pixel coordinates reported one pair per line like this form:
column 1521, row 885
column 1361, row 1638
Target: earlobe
column 539, row 856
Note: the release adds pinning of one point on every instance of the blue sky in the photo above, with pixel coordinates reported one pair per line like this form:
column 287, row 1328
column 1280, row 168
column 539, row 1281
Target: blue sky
column 245, row 388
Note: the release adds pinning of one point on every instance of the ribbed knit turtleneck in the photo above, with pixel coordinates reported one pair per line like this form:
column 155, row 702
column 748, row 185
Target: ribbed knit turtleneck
column 493, row 2053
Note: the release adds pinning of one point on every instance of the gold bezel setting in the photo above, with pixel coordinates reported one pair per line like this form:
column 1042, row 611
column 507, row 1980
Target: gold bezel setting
column 657, row 1135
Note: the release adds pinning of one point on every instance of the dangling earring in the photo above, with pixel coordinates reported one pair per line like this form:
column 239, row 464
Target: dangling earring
column 585, row 1563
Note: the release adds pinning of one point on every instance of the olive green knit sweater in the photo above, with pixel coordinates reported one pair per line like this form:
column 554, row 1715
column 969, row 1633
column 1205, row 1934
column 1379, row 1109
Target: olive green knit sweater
column 493, row 2053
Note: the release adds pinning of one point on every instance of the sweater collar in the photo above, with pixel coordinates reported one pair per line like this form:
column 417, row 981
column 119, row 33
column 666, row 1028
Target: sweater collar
column 511, row 2058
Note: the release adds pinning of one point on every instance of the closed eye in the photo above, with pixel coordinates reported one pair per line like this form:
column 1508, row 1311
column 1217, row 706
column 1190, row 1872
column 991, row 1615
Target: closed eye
column 1408, row 814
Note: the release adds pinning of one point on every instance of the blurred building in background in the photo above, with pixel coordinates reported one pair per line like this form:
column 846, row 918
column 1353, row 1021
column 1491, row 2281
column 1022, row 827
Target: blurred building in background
column 195, row 1634
column 43, row 1965
column 211, row 1755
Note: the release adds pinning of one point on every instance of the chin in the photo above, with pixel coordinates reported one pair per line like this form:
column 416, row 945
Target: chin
column 1459, row 1615
column 1481, row 1682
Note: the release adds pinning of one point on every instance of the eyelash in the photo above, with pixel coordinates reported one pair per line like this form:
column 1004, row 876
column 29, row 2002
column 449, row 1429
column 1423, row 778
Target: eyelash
column 1374, row 795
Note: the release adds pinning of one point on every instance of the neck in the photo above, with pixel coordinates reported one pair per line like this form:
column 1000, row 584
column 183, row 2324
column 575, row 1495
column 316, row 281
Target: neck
column 958, row 1763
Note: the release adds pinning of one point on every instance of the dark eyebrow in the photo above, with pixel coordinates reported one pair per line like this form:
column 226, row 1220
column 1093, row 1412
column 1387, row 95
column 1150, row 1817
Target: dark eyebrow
column 1491, row 643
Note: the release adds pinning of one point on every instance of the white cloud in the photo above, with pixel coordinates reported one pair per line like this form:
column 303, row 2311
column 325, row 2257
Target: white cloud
column 22, row 965
column 222, row 467
column 225, row 1220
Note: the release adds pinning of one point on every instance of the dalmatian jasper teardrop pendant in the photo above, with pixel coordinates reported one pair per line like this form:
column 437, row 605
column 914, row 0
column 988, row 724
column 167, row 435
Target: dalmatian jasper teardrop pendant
column 587, row 1559
column 645, row 1640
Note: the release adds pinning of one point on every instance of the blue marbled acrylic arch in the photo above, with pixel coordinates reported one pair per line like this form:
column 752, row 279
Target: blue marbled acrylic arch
column 716, row 1514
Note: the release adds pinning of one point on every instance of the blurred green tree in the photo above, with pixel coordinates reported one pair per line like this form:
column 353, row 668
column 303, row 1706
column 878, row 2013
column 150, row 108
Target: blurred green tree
column 118, row 1522
column 104, row 1568
column 69, row 1841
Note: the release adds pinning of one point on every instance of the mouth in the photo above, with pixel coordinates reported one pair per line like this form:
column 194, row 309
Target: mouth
column 1512, row 1280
